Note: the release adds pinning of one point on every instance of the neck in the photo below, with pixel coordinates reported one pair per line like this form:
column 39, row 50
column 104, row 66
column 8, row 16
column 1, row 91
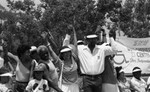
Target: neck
column 91, row 47
column 38, row 79
column 68, row 62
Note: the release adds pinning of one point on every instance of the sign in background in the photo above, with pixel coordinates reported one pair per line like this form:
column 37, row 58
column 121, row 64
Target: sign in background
column 129, row 58
column 142, row 44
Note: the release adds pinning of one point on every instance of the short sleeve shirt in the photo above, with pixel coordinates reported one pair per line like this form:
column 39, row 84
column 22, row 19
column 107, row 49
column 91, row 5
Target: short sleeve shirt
column 140, row 84
column 34, row 83
column 93, row 63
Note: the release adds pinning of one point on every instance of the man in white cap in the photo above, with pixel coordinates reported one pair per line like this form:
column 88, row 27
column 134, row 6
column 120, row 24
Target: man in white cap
column 92, row 57
column 91, row 64
column 139, row 85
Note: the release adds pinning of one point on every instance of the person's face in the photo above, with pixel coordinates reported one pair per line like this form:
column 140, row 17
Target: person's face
column 122, row 75
column 26, row 56
column 137, row 74
column 66, row 55
column 91, row 41
column 34, row 55
column 44, row 55
column 39, row 75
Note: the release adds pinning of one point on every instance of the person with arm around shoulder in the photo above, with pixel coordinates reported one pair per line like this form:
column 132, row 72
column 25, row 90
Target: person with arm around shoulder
column 92, row 58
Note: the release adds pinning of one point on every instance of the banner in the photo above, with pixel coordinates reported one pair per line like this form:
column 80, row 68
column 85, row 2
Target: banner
column 129, row 58
column 142, row 44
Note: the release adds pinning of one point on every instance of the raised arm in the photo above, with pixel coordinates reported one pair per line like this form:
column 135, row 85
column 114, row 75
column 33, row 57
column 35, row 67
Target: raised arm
column 110, row 50
column 66, row 41
column 75, row 42
column 13, row 56
column 53, row 54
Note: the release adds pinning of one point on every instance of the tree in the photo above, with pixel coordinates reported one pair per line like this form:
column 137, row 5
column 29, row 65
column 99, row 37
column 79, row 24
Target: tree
column 84, row 15
column 21, row 24
column 134, row 20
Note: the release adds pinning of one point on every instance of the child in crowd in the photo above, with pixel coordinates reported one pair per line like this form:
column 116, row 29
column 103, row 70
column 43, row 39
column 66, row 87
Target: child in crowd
column 38, row 84
column 6, row 82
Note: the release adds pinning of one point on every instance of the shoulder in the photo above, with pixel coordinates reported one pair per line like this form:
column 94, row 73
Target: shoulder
column 133, row 80
column 44, row 65
column 81, row 46
column 32, row 81
column 45, row 81
column 103, row 46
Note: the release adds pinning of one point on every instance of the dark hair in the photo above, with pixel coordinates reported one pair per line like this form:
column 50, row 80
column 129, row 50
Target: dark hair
column 22, row 49
column 117, row 71
column 61, row 54
column 32, row 53
column 34, row 76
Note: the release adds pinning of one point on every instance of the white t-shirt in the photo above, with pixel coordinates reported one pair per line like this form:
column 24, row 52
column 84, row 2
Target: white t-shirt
column 34, row 83
column 140, row 84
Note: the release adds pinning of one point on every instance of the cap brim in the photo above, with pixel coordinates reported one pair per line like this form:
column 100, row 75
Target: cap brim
column 137, row 70
column 121, row 71
column 80, row 41
column 91, row 36
column 65, row 50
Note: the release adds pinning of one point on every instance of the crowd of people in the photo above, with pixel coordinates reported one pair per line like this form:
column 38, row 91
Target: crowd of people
column 85, row 66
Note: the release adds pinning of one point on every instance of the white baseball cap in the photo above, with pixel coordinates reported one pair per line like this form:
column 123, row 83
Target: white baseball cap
column 136, row 70
column 65, row 50
column 33, row 48
column 91, row 36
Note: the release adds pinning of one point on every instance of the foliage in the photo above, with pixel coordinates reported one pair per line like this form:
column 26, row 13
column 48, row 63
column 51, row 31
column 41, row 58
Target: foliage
column 25, row 22
column 134, row 18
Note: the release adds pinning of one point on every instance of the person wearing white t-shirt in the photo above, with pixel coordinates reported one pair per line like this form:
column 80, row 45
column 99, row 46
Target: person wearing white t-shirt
column 139, row 85
column 38, row 84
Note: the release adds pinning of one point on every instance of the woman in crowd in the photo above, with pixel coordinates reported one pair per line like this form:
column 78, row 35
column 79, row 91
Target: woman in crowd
column 69, row 72
column 123, row 83
column 109, row 80
column 23, row 68
column 70, row 75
